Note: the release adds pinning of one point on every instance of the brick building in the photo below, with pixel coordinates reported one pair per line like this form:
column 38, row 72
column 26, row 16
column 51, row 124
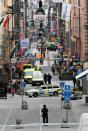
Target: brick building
column 79, row 28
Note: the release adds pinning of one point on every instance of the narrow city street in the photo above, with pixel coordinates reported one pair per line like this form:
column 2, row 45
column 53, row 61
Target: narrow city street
column 43, row 65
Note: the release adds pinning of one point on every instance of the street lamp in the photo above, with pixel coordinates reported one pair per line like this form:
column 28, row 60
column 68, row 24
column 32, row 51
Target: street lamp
column 40, row 10
column 40, row 13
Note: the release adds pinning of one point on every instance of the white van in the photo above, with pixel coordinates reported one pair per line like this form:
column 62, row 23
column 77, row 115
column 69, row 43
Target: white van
column 37, row 78
column 83, row 125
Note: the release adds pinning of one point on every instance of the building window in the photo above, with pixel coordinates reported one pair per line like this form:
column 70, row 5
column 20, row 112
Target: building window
column 78, row 2
column 5, row 3
column 76, row 23
column 21, row 4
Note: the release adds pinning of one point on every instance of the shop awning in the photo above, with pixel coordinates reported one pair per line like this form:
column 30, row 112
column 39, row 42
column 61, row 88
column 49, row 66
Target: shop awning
column 82, row 74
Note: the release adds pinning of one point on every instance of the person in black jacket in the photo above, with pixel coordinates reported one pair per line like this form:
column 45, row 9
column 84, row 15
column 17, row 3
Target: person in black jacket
column 5, row 90
column 44, row 112
column 49, row 78
column 45, row 78
column 74, row 81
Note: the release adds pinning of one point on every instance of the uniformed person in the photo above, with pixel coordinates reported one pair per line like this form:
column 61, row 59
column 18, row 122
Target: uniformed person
column 49, row 77
column 45, row 78
column 44, row 112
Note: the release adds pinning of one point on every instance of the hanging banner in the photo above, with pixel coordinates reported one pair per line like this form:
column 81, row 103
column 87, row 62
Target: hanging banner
column 65, row 13
column 34, row 2
column 24, row 43
column 68, row 39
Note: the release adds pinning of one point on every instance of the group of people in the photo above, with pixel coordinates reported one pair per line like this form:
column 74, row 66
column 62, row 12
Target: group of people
column 47, row 78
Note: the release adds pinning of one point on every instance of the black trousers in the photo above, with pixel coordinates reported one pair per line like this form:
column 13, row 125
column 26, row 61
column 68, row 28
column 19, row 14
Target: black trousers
column 45, row 119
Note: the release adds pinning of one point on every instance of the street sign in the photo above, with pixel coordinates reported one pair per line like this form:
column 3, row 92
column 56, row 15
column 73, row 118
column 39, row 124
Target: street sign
column 62, row 84
column 67, row 93
column 24, row 43
column 23, row 84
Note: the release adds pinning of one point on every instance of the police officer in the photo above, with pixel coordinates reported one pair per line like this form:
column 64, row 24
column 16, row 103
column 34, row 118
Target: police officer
column 45, row 78
column 53, row 69
column 49, row 78
column 44, row 112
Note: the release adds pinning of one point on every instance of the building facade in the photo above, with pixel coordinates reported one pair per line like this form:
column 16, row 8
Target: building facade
column 79, row 28
column 1, row 32
column 6, row 40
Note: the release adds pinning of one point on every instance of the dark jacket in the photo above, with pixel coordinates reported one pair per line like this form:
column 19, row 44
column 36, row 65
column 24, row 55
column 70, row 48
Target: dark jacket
column 44, row 112
column 49, row 77
column 45, row 76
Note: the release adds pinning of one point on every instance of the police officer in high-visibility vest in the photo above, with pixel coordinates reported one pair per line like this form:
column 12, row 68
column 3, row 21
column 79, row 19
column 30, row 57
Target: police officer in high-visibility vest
column 44, row 112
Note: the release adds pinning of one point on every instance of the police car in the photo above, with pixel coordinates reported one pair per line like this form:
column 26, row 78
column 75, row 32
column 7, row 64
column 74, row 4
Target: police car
column 44, row 90
column 75, row 95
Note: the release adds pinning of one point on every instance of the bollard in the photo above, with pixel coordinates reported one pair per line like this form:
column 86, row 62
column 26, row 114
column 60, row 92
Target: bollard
column 18, row 123
column 67, row 106
column 24, row 105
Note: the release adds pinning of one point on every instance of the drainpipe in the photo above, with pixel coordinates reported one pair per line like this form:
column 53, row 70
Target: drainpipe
column 79, row 33
column 87, row 23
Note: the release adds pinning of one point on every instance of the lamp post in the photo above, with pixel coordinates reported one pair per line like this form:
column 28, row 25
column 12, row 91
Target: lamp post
column 24, row 105
column 40, row 15
column 40, row 10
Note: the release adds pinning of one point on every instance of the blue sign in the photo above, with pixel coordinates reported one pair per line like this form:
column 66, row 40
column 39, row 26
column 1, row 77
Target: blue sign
column 23, row 84
column 79, row 71
column 67, row 93
column 62, row 84
column 24, row 43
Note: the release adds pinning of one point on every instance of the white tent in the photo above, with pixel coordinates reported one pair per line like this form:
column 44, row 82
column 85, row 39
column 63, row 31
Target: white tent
column 82, row 74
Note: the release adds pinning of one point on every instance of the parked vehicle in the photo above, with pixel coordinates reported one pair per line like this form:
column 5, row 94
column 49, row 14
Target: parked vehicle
column 44, row 90
column 37, row 78
column 27, row 66
column 75, row 95
column 28, row 75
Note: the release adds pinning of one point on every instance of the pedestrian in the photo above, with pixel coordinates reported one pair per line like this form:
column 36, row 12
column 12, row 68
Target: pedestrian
column 53, row 69
column 44, row 112
column 74, row 80
column 45, row 78
column 49, row 77
column 5, row 90
column 12, row 91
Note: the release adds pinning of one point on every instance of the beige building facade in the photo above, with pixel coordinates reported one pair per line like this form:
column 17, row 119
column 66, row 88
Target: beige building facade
column 7, row 40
